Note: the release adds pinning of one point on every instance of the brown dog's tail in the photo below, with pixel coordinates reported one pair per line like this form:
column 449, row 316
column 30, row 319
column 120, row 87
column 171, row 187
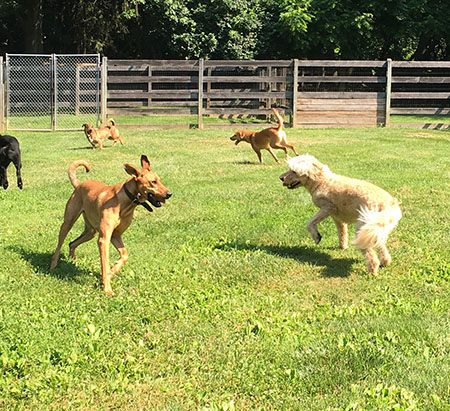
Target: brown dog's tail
column 72, row 170
column 113, row 123
column 279, row 118
column 376, row 226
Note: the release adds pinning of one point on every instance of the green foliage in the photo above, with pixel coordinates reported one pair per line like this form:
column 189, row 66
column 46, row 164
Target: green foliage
column 231, row 29
column 226, row 302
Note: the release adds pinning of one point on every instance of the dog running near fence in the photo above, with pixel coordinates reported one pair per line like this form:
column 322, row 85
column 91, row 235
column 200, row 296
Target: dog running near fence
column 266, row 139
column 96, row 136
column 108, row 211
column 347, row 201
column 10, row 153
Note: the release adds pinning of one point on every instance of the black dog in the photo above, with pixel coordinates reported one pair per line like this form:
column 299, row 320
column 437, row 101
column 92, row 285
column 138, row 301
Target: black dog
column 9, row 152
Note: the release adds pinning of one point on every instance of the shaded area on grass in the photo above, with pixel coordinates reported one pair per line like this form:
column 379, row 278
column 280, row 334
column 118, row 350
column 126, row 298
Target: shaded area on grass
column 65, row 270
column 332, row 267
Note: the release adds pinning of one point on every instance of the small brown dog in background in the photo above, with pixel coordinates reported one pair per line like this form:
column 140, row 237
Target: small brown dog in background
column 266, row 139
column 108, row 211
column 97, row 135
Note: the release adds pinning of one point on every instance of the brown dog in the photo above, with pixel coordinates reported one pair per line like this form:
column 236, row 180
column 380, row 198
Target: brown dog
column 266, row 139
column 97, row 135
column 347, row 201
column 108, row 211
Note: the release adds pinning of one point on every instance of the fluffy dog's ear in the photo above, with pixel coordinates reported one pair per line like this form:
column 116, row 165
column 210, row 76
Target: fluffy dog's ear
column 145, row 162
column 131, row 170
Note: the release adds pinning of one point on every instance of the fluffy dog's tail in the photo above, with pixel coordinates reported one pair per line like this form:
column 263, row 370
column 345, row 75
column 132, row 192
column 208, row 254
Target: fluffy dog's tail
column 72, row 171
column 279, row 118
column 376, row 225
column 113, row 123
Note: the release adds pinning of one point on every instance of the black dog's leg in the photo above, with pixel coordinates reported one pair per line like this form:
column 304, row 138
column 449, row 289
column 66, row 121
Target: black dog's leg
column 3, row 177
column 18, row 166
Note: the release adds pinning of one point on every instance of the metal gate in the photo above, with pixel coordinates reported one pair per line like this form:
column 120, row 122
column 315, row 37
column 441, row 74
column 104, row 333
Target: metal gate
column 52, row 92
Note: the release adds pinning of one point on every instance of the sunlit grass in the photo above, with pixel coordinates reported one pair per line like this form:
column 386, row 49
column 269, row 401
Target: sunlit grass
column 226, row 301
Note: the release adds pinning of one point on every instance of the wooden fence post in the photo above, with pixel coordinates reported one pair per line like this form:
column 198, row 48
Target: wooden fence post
column 387, row 113
column 200, row 95
column 104, row 90
column 149, row 87
column 294, row 94
column 2, row 97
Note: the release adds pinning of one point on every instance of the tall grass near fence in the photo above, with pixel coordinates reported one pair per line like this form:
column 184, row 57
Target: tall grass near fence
column 226, row 301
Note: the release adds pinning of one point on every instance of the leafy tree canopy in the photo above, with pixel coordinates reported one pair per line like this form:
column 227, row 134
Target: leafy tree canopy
column 229, row 29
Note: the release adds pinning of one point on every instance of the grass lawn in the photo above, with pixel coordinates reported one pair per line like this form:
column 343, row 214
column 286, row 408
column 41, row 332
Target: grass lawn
column 226, row 302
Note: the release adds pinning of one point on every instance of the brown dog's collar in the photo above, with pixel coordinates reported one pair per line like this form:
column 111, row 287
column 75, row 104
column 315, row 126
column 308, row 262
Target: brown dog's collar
column 135, row 200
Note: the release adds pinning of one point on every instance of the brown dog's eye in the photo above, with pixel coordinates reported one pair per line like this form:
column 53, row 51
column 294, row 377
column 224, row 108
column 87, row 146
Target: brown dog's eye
column 154, row 182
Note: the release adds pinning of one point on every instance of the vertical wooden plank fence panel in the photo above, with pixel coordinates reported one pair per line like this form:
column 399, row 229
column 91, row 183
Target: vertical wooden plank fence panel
column 330, row 97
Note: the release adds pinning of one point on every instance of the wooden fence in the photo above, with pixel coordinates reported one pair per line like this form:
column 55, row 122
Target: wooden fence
column 309, row 93
column 199, row 88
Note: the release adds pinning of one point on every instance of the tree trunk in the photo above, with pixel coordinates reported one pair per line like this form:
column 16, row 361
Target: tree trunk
column 32, row 27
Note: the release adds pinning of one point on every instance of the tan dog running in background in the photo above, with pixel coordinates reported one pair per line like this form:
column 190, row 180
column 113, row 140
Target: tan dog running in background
column 347, row 201
column 108, row 211
column 266, row 139
column 97, row 135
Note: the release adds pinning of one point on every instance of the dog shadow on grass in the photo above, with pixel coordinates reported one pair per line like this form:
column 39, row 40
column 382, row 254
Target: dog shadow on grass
column 80, row 148
column 332, row 267
column 65, row 270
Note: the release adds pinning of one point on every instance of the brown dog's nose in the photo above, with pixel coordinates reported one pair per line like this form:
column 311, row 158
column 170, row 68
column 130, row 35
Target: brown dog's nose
column 168, row 194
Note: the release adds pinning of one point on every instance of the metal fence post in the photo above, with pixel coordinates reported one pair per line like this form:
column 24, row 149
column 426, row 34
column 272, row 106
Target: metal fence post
column 200, row 94
column 294, row 94
column 104, row 90
column 387, row 113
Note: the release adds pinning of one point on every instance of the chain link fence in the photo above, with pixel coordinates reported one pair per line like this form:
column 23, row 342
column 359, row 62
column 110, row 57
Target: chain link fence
column 52, row 92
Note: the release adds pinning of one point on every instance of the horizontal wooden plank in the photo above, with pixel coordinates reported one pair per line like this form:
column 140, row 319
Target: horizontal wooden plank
column 435, row 95
column 194, row 79
column 341, row 79
column 421, row 64
column 339, row 94
column 420, row 80
column 134, row 103
column 237, row 111
column 340, row 109
column 222, row 94
column 247, row 79
column 152, row 63
column 152, row 79
column 340, row 101
column 341, row 63
column 247, row 63
column 138, row 94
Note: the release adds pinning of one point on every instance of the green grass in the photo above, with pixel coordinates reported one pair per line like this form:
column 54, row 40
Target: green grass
column 225, row 301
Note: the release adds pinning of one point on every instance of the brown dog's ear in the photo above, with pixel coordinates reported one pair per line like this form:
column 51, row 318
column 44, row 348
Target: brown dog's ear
column 131, row 170
column 145, row 162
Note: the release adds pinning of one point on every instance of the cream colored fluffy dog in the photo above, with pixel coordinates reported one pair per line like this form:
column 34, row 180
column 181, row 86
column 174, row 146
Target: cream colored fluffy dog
column 347, row 201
